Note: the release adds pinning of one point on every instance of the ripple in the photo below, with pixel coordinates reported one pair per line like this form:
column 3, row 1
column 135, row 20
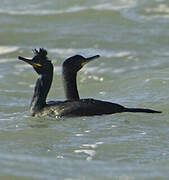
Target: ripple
column 90, row 153
column 5, row 60
column 141, row 132
column 92, row 145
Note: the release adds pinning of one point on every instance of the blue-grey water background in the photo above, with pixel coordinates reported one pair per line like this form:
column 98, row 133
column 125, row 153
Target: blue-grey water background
column 132, row 38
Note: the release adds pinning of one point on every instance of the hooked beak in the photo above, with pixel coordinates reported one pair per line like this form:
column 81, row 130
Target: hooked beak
column 29, row 62
column 87, row 60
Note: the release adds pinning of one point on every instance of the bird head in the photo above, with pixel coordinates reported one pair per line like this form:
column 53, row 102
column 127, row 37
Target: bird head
column 39, row 62
column 75, row 63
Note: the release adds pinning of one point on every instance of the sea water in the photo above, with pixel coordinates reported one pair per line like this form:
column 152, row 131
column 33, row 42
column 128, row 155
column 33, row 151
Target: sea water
column 132, row 38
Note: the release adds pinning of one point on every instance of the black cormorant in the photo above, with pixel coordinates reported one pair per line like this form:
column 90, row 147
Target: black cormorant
column 80, row 107
column 70, row 68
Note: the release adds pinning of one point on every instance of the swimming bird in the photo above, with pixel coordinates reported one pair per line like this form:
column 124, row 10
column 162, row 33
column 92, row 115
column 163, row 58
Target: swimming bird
column 78, row 107
column 70, row 67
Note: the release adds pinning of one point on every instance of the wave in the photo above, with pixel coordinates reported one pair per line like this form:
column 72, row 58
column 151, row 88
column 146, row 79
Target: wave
column 89, row 52
column 8, row 49
column 73, row 9
column 64, row 53
column 161, row 8
column 161, row 11
column 110, row 6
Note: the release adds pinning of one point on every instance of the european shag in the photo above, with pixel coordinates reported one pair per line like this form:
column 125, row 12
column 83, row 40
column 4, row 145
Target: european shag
column 78, row 107
column 70, row 68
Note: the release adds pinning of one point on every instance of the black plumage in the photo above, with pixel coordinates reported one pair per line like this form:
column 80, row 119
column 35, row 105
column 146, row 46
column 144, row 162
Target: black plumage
column 70, row 68
column 73, row 106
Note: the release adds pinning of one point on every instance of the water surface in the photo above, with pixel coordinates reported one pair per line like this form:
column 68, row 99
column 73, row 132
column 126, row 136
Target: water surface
column 131, row 37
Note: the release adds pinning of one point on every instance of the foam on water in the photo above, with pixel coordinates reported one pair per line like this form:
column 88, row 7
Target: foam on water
column 147, row 12
column 43, row 12
column 161, row 11
column 93, row 146
column 88, row 152
column 7, row 49
column 111, row 6
column 36, row 11
column 65, row 53
column 161, row 8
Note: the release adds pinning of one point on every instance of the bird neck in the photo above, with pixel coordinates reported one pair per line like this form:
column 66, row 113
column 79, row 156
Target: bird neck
column 70, row 85
column 41, row 90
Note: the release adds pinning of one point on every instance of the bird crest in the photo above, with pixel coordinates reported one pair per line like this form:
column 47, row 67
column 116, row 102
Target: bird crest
column 42, row 53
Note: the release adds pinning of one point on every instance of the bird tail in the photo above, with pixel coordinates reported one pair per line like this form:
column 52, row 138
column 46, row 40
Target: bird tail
column 141, row 110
